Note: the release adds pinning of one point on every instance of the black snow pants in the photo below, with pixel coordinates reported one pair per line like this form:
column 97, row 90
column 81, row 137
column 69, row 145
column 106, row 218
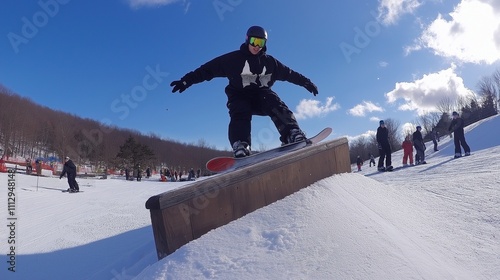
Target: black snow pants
column 264, row 102
column 385, row 153
column 72, row 182
column 459, row 139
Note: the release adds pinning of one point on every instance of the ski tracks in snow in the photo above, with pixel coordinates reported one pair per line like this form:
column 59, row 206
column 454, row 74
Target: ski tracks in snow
column 422, row 257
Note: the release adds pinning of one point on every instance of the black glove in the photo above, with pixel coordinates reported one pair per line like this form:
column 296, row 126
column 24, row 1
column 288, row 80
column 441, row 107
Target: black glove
column 180, row 85
column 311, row 87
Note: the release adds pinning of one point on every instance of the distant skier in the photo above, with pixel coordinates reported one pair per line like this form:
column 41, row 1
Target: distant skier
column 251, row 73
column 359, row 162
column 434, row 137
column 69, row 169
column 418, row 143
column 191, row 175
column 407, row 151
column 384, row 148
column 29, row 166
column 139, row 173
column 372, row 160
column 457, row 127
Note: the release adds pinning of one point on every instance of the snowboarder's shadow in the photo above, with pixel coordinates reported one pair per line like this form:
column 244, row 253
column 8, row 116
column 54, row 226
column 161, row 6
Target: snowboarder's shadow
column 435, row 165
column 40, row 187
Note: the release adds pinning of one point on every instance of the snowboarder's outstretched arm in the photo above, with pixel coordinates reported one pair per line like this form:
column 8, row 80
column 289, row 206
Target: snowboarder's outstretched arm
column 205, row 72
column 284, row 73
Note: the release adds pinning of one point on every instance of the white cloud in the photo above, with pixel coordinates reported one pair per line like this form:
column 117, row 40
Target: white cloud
column 136, row 4
column 472, row 33
column 391, row 10
column 366, row 136
column 360, row 110
column 424, row 95
column 309, row 108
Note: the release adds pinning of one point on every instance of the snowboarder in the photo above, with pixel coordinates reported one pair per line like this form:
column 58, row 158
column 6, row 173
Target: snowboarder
column 457, row 127
column 434, row 137
column 191, row 175
column 251, row 73
column 359, row 163
column 139, row 173
column 407, row 151
column 384, row 148
column 29, row 166
column 69, row 169
column 127, row 174
column 419, row 144
column 372, row 160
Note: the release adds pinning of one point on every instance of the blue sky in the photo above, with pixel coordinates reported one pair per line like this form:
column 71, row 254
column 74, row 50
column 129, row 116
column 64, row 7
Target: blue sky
column 113, row 61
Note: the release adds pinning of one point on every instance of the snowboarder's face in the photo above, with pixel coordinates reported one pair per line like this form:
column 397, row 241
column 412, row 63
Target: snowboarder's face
column 254, row 49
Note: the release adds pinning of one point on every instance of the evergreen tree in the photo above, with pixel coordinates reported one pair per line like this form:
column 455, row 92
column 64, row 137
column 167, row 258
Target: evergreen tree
column 133, row 154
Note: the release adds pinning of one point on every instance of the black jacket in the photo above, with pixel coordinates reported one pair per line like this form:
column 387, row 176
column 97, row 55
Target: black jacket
column 457, row 126
column 383, row 135
column 246, row 72
column 418, row 141
column 359, row 161
column 69, row 168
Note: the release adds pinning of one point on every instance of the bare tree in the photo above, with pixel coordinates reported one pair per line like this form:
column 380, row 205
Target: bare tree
column 426, row 122
column 496, row 82
column 445, row 105
column 393, row 126
column 489, row 89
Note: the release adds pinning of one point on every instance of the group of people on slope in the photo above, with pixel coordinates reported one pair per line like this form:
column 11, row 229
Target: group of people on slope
column 417, row 141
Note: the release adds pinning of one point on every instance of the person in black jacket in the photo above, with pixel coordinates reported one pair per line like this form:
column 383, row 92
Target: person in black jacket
column 418, row 143
column 251, row 73
column 384, row 148
column 457, row 127
column 70, row 170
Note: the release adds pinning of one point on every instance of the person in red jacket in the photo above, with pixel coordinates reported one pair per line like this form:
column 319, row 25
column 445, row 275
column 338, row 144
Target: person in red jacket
column 407, row 151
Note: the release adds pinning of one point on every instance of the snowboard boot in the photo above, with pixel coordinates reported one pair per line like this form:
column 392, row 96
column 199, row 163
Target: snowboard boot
column 381, row 169
column 389, row 168
column 296, row 135
column 241, row 149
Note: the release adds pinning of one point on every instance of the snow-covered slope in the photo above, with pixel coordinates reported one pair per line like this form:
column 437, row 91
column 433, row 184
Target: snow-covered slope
column 434, row 221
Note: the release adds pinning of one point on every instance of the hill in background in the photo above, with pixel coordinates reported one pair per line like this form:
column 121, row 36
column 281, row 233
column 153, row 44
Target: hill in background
column 29, row 130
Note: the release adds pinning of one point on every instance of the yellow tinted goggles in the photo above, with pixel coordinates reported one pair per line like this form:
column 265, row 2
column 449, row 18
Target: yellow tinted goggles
column 257, row 42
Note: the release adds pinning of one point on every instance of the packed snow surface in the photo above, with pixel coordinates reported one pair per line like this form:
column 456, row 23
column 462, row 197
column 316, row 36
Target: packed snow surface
column 440, row 220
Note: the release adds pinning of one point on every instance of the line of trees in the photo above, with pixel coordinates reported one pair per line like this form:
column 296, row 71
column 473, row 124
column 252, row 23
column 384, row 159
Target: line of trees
column 473, row 108
column 33, row 131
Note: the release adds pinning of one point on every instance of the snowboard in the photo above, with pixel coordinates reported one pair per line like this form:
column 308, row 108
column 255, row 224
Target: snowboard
column 66, row 191
column 222, row 164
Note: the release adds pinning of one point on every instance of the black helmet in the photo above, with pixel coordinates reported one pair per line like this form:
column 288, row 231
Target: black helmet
column 257, row 31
